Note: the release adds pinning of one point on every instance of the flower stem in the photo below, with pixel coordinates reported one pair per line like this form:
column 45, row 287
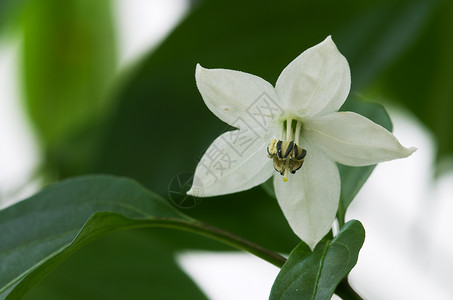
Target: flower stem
column 340, row 215
column 343, row 290
column 229, row 238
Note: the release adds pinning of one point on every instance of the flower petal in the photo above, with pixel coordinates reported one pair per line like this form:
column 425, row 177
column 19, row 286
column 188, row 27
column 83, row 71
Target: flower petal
column 354, row 140
column 309, row 200
column 236, row 161
column 317, row 82
column 232, row 94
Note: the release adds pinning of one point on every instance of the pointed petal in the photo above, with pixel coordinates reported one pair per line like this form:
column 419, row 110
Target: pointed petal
column 317, row 82
column 236, row 161
column 233, row 94
column 354, row 140
column 309, row 199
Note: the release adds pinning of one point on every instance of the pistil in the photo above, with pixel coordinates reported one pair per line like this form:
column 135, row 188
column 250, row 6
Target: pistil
column 285, row 173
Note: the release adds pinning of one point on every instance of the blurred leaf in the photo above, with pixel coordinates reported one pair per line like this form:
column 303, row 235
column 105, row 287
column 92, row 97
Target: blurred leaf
column 9, row 12
column 315, row 275
column 421, row 79
column 133, row 264
column 380, row 34
column 42, row 231
column 160, row 105
column 74, row 153
column 68, row 62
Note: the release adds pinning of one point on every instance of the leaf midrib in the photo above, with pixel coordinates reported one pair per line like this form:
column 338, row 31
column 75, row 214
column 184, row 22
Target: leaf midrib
column 321, row 265
column 26, row 272
column 71, row 232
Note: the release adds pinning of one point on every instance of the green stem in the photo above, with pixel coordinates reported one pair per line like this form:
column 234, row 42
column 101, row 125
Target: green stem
column 343, row 290
column 340, row 215
column 229, row 238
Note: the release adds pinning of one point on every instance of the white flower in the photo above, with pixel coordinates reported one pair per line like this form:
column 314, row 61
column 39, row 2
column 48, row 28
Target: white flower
column 301, row 112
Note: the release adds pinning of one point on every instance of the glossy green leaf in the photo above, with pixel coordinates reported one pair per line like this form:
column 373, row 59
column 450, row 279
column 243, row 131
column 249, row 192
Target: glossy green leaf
column 315, row 275
column 42, row 231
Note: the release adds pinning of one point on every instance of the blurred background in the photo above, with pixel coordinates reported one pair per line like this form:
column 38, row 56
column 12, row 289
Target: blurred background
column 108, row 86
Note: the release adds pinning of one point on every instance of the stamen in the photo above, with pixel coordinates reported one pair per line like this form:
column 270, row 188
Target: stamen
column 279, row 149
column 288, row 129
column 279, row 165
column 297, row 134
column 289, row 147
column 286, row 154
column 299, row 153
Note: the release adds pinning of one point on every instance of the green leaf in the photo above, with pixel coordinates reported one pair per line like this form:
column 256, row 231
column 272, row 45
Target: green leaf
column 315, row 275
column 9, row 11
column 42, row 231
column 68, row 62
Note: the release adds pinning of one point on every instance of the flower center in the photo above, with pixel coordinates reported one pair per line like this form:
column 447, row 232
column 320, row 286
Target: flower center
column 288, row 156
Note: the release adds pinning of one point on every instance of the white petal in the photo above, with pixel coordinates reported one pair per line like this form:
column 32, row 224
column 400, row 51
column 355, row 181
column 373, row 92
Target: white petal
column 236, row 161
column 309, row 200
column 231, row 95
column 317, row 82
column 354, row 140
